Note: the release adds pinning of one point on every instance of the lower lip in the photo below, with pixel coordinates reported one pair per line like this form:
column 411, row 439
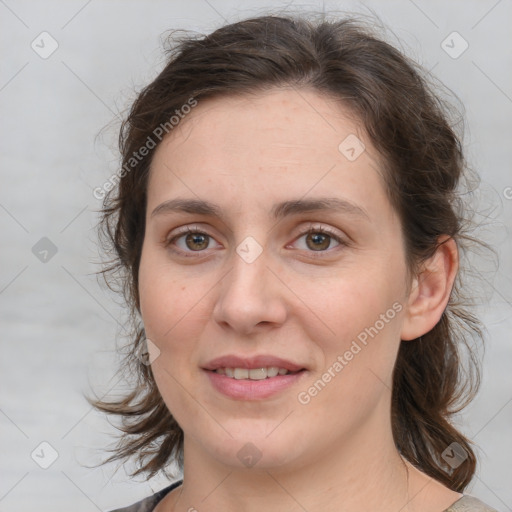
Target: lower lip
column 246, row 389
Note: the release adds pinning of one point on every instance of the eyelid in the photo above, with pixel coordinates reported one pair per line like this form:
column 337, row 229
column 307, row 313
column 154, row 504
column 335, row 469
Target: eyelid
column 181, row 230
column 320, row 228
column 312, row 228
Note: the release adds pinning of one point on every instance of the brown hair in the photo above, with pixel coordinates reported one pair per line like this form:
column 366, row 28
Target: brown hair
column 407, row 124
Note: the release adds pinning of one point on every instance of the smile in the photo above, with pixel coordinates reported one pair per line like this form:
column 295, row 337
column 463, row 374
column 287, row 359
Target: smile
column 252, row 373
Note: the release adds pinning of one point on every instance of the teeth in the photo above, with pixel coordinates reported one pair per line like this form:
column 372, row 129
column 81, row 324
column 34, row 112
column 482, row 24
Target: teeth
column 258, row 373
column 241, row 373
column 273, row 371
column 253, row 373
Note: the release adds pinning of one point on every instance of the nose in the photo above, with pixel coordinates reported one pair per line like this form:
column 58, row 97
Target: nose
column 250, row 298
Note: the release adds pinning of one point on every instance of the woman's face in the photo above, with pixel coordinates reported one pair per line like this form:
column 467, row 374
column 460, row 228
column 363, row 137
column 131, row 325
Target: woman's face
column 231, row 278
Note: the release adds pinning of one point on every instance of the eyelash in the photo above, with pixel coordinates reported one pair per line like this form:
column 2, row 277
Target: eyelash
column 312, row 230
column 324, row 231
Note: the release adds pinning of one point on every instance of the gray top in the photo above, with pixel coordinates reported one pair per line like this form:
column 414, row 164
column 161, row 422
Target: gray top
column 469, row 504
column 465, row 504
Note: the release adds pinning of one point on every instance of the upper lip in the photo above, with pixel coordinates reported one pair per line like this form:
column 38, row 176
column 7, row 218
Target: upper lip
column 261, row 361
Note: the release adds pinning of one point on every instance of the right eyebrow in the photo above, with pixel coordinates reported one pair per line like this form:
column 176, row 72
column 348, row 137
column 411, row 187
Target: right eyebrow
column 187, row 206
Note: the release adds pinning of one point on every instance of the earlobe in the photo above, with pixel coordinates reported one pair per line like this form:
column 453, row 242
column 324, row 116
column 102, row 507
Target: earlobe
column 430, row 291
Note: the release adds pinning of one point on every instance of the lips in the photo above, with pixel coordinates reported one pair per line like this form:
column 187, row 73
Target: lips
column 252, row 363
column 253, row 378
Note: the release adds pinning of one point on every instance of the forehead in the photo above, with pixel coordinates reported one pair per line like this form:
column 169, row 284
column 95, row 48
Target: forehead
column 276, row 123
column 274, row 144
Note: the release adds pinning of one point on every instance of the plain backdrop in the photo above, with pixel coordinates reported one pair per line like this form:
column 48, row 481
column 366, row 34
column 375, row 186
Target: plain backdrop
column 59, row 326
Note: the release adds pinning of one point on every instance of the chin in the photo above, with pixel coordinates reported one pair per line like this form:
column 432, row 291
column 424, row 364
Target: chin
column 256, row 451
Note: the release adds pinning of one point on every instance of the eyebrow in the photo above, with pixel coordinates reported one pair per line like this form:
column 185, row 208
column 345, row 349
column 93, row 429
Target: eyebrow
column 278, row 211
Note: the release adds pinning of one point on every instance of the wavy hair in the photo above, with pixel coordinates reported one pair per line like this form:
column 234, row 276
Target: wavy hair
column 436, row 375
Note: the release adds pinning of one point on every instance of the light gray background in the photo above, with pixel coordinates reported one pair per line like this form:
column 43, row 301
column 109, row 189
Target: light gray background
column 58, row 326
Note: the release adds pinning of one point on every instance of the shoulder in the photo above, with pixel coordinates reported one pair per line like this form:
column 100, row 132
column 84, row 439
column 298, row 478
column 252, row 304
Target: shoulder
column 149, row 503
column 469, row 504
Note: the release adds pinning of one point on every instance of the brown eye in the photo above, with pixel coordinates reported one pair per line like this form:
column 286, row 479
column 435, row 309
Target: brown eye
column 318, row 241
column 197, row 241
column 192, row 241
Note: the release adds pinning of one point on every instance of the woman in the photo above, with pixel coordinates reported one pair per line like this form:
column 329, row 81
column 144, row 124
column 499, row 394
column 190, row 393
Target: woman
column 288, row 230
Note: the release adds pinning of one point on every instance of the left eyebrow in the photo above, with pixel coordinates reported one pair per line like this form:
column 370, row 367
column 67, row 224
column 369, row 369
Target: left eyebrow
column 335, row 204
column 278, row 211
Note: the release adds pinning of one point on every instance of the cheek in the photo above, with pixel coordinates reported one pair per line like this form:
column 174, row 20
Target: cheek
column 172, row 310
column 358, row 359
column 361, row 313
column 352, row 301
column 174, row 321
column 168, row 299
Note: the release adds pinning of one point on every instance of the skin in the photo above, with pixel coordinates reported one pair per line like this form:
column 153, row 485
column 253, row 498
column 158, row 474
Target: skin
column 336, row 452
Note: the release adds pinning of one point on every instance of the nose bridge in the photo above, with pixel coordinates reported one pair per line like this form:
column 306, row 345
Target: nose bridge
column 248, row 274
column 248, row 260
column 247, row 294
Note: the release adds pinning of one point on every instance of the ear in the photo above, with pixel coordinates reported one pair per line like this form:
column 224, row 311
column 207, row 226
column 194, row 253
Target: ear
column 430, row 290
